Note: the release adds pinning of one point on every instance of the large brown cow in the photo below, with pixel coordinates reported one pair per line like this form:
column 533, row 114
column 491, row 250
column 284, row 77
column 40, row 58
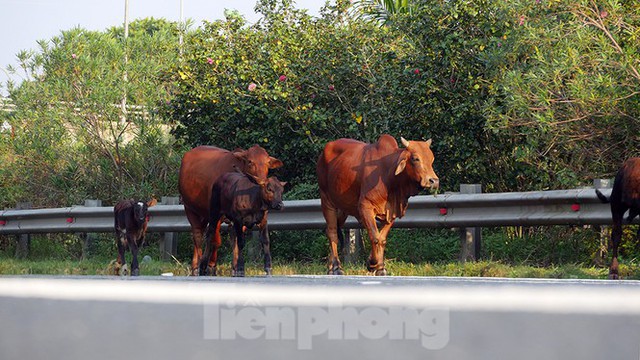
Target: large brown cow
column 625, row 195
column 371, row 182
column 200, row 169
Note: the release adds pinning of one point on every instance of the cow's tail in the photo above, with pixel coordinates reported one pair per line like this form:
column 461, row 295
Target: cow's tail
column 602, row 198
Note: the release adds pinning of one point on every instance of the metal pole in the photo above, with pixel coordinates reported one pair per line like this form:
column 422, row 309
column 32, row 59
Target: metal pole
column 24, row 240
column 470, row 237
column 604, row 230
column 123, row 119
column 169, row 242
column 89, row 239
column 181, row 25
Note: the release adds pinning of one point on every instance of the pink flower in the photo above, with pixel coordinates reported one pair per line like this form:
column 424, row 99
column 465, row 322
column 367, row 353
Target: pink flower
column 416, row 71
column 252, row 87
column 331, row 87
column 282, row 78
column 521, row 22
column 604, row 14
column 210, row 61
column 73, row 56
column 499, row 43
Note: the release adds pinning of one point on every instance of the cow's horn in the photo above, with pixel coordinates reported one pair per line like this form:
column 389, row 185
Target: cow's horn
column 404, row 142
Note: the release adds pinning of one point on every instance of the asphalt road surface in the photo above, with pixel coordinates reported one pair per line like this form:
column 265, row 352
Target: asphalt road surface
column 317, row 317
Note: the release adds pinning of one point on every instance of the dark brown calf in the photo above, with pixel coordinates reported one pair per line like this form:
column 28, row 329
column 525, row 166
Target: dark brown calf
column 625, row 195
column 131, row 226
column 244, row 201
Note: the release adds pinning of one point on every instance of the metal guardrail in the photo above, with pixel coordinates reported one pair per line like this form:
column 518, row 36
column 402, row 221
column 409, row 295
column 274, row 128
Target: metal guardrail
column 554, row 207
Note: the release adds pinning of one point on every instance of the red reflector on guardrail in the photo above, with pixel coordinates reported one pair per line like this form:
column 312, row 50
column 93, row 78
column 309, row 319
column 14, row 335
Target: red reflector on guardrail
column 69, row 220
column 443, row 211
column 575, row 207
column 3, row 222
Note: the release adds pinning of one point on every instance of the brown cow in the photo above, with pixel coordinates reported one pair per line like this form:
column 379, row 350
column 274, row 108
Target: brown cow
column 130, row 222
column 625, row 195
column 200, row 169
column 245, row 202
column 371, row 182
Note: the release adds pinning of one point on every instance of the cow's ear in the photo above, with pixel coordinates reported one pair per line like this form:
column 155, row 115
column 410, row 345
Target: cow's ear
column 283, row 183
column 402, row 162
column 152, row 202
column 428, row 142
column 274, row 163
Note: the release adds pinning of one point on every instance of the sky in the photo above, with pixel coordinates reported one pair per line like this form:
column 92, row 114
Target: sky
column 23, row 22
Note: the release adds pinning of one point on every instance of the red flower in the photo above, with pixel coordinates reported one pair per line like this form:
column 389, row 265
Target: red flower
column 282, row 78
column 331, row 87
column 416, row 71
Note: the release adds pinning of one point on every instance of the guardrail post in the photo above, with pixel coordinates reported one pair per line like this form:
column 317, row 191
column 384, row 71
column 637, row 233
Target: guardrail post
column 24, row 241
column 89, row 239
column 470, row 237
column 604, row 230
column 352, row 247
column 169, row 241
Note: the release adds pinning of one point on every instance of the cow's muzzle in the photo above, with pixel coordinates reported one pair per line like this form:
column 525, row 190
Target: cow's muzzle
column 277, row 206
column 430, row 183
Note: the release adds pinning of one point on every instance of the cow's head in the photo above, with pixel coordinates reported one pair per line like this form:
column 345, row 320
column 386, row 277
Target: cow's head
column 140, row 209
column 257, row 162
column 272, row 191
column 417, row 162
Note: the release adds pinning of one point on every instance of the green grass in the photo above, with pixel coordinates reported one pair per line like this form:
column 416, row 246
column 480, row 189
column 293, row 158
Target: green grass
column 10, row 266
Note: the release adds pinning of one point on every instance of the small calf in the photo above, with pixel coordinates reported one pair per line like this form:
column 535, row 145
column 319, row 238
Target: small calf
column 131, row 226
column 625, row 195
column 244, row 201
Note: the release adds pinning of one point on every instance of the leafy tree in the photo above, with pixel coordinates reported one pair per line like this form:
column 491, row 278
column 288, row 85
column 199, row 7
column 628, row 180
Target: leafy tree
column 72, row 140
column 380, row 10
column 572, row 88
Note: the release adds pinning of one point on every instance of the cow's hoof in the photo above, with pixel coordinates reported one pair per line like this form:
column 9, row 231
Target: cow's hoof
column 195, row 272
column 371, row 267
column 267, row 271
column 337, row 271
column 381, row 272
column 208, row 271
column 135, row 272
column 238, row 273
column 613, row 276
column 124, row 270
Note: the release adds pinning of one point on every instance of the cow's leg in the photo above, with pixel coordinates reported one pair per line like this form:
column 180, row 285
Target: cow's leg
column 378, row 240
column 382, row 243
column 238, row 254
column 133, row 246
column 197, row 227
column 331, row 218
column 120, row 242
column 617, row 212
column 266, row 245
column 209, row 261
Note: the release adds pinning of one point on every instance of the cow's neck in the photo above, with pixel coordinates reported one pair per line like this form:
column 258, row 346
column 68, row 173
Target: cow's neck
column 400, row 189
